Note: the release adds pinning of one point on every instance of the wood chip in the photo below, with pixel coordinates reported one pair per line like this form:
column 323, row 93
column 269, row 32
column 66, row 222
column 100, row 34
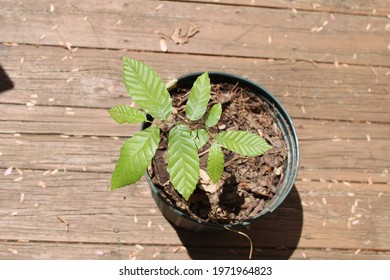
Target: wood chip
column 21, row 198
column 336, row 63
column 368, row 137
column 149, row 225
column 46, row 172
column 155, row 255
column 350, row 194
column 324, row 201
column 118, row 22
column 269, row 39
column 55, row 171
column 68, row 45
column 159, row 7
column 10, row 44
column 135, row 219
column 14, row 213
column 52, row 8
column 13, row 251
column 139, row 247
column 51, row 100
column 303, row 110
column 42, row 184
column 368, row 27
column 163, row 45
column 355, row 222
column 64, row 58
column 380, row 194
column 8, row 171
column 347, row 183
column 99, row 253
column 69, row 111
column 370, row 181
column 177, row 249
column 304, row 256
column 161, row 227
column 18, row 179
column 357, row 251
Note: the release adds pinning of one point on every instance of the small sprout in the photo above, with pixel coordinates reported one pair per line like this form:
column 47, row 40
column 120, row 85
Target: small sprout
column 185, row 139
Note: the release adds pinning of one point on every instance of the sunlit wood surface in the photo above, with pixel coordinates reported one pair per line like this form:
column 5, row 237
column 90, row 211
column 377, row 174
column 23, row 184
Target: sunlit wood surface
column 328, row 63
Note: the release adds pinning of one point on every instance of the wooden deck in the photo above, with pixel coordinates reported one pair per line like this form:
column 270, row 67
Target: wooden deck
column 328, row 62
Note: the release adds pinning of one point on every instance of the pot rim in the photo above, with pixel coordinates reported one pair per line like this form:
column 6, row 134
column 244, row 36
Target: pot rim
column 274, row 103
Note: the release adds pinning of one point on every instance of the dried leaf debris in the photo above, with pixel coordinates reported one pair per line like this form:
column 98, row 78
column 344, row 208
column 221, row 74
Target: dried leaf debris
column 178, row 37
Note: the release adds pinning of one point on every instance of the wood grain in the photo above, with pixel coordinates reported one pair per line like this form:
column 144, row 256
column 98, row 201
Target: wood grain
column 228, row 30
column 369, row 8
column 96, row 214
column 326, row 62
column 92, row 78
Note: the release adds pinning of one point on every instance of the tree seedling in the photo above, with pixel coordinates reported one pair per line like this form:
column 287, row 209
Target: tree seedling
column 146, row 89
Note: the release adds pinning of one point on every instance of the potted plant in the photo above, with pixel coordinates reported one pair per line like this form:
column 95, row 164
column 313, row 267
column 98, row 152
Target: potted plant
column 218, row 151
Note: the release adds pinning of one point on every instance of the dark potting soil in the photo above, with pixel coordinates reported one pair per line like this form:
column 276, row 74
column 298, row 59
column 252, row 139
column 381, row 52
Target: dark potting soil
column 247, row 182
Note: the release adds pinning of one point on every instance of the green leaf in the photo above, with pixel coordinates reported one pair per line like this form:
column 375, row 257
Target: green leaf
column 135, row 157
column 146, row 88
column 199, row 97
column 126, row 114
column 200, row 136
column 215, row 163
column 243, row 142
column 183, row 160
column 214, row 115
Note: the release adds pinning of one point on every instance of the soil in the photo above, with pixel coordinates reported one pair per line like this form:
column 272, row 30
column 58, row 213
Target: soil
column 247, row 182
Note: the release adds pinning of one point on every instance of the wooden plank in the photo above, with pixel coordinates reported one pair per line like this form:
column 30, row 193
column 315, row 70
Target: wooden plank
column 120, row 251
column 76, row 121
column 92, row 78
column 80, row 153
column 361, row 7
column 228, row 31
column 313, row 216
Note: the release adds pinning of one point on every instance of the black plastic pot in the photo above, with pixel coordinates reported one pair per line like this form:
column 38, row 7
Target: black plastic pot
column 285, row 125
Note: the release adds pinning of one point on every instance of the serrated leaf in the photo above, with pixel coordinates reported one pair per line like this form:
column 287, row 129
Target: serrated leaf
column 146, row 88
column 183, row 160
column 198, row 98
column 200, row 137
column 126, row 114
column 215, row 163
column 135, row 157
column 244, row 143
column 214, row 115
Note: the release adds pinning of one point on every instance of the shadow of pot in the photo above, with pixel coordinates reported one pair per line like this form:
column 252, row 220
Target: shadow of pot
column 283, row 121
